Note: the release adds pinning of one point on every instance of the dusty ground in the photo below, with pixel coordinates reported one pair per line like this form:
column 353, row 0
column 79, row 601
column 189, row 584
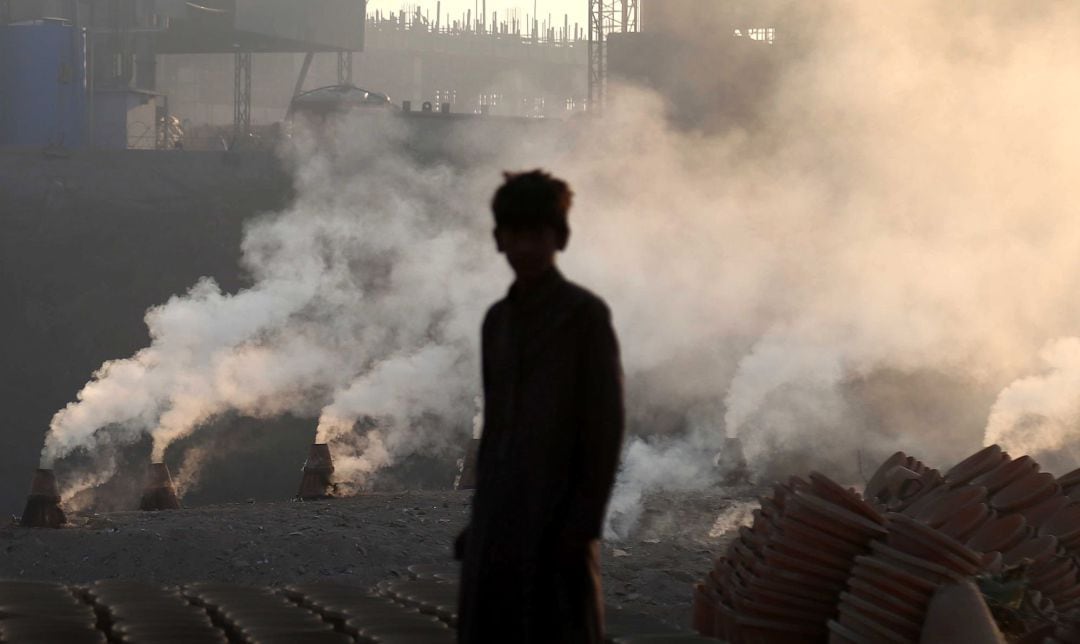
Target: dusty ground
column 359, row 541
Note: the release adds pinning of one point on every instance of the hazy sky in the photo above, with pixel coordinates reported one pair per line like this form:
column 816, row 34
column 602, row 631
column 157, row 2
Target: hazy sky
column 577, row 9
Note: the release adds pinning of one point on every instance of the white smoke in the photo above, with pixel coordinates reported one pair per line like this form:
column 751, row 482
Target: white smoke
column 366, row 299
column 478, row 417
column 397, row 394
column 665, row 464
column 1041, row 414
column 902, row 207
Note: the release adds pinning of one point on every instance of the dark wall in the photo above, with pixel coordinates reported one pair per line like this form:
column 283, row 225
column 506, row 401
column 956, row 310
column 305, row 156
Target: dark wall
column 89, row 241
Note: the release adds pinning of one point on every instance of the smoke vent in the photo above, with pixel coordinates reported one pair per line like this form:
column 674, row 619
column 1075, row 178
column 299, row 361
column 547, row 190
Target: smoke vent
column 316, row 482
column 43, row 505
column 467, row 480
column 159, row 494
column 732, row 463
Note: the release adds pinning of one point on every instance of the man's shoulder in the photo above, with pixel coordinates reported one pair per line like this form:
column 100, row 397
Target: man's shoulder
column 589, row 303
column 497, row 309
column 570, row 296
column 495, row 313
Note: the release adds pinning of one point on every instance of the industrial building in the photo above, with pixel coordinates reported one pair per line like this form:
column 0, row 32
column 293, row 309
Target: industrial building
column 141, row 74
column 165, row 74
column 408, row 58
column 107, row 93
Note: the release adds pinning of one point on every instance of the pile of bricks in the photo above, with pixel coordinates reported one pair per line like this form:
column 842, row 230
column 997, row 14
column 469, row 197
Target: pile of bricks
column 825, row 563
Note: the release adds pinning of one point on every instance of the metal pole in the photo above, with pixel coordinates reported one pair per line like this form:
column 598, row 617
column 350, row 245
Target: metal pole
column 92, row 73
column 596, row 54
column 299, row 87
column 344, row 68
column 241, row 96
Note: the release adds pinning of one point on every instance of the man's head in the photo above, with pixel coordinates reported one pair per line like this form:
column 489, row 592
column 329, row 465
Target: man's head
column 531, row 220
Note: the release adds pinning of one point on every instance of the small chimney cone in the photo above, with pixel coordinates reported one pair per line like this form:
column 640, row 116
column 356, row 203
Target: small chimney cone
column 316, row 482
column 467, row 480
column 159, row 493
column 732, row 463
column 43, row 505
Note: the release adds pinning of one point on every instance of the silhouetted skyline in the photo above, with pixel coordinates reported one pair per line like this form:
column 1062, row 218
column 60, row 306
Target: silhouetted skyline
column 576, row 9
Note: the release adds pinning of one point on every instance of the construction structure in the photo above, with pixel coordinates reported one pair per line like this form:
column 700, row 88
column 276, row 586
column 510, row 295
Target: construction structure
column 498, row 67
column 220, row 73
column 606, row 17
column 119, row 45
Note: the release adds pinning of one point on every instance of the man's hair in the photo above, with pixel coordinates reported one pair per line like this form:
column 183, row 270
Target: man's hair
column 532, row 199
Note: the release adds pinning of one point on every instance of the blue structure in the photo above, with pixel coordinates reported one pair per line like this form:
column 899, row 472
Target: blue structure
column 42, row 84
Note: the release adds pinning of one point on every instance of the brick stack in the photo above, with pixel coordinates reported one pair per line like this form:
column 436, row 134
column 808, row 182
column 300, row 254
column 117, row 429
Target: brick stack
column 822, row 563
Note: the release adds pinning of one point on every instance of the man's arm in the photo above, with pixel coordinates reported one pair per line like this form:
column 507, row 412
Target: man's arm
column 600, row 442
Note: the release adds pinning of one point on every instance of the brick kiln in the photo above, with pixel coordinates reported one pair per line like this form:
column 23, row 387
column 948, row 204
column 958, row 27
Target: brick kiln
column 159, row 493
column 317, row 480
column 43, row 505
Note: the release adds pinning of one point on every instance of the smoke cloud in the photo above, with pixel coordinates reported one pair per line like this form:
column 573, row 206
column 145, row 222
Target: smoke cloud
column 1040, row 414
column 899, row 214
column 365, row 300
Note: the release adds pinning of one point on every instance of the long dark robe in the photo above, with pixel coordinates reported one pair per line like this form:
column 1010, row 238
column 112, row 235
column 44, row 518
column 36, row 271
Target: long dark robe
column 553, row 426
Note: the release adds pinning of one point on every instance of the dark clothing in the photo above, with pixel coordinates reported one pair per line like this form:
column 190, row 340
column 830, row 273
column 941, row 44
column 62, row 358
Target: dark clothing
column 553, row 424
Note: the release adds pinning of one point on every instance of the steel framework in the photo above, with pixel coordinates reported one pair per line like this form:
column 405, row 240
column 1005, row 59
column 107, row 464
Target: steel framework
column 605, row 18
column 344, row 68
column 242, row 97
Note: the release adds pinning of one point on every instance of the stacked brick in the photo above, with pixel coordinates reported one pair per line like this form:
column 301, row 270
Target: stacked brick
column 824, row 563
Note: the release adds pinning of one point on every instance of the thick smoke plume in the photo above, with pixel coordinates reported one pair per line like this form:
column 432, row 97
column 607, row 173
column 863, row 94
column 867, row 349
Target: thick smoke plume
column 890, row 244
column 1040, row 414
column 365, row 299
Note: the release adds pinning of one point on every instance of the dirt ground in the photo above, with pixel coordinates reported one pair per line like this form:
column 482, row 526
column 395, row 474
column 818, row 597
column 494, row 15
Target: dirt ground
column 359, row 541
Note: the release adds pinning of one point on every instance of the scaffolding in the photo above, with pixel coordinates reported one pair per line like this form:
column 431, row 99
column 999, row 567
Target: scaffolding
column 345, row 68
column 242, row 97
column 512, row 24
column 605, row 18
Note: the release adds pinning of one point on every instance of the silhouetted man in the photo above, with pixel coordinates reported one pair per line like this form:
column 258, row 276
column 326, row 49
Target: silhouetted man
column 553, row 425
